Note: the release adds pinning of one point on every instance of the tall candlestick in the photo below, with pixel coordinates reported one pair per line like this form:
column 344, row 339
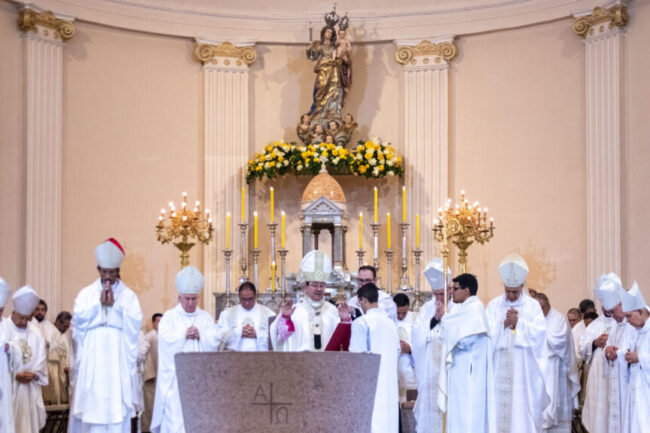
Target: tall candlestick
column 243, row 205
column 273, row 277
column 360, row 230
column 375, row 205
column 254, row 229
column 228, row 230
column 403, row 204
column 283, row 226
column 272, row 207
column 417, row 231
column 388, row 228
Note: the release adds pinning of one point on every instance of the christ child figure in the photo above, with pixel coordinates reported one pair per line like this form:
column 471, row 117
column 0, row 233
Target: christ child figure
column 343, row 46
column 317, row 135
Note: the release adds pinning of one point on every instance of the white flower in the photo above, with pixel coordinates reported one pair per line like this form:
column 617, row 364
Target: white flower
column 285, row 162
column 286, row 148
column 372, row 161
column 266, row 165
column 390, row 163
column 299, row 167
column 359, row 157
column 375, row 171
column 391, row 173
column 336, row 160
column 269, row 157
column 316, row 155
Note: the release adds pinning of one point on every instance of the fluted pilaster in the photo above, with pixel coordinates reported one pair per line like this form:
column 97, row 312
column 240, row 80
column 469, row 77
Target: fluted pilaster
column 45, row 34
column 603, row 31
column 225, row 94
column 425, row 66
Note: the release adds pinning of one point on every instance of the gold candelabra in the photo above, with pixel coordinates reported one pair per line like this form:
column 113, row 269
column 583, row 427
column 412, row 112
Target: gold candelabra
column 184, row 227
column 463, row 225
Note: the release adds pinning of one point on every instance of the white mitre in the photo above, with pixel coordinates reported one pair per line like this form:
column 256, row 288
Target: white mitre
column 633, row 300
column 25, row 300
column 513, row 270
column 435, row 275
column 316, row 266
column 609, row 290
column 189, row 281
column 109, row 254
column 4, row 292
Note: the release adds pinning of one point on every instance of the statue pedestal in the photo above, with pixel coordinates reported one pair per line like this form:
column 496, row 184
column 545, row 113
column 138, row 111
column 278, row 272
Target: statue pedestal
column 233, row 392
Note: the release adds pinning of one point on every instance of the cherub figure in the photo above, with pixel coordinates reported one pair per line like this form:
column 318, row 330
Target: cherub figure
column 329, row 139
column 317, row 134
column 303, row 129
column 349, row 125
column 333, row 128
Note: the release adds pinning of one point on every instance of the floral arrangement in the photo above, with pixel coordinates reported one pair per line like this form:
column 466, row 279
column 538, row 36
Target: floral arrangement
column 371, row 159
column 375, row 159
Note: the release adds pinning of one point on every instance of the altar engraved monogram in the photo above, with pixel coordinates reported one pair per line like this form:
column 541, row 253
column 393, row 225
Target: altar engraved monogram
column 279, row 409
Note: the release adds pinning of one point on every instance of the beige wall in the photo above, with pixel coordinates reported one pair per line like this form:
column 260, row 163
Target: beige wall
column 12, row 155
column 518, row 147
column 133, row 141
column 636, row 151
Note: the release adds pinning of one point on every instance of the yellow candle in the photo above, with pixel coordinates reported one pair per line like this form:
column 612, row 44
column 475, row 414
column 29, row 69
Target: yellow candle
column 243, row 205
column 404, row 204
column 375, row 205
column 388, row 228
column 283, row 224
column 254, row 229
column 272, row 219
column 227, row 230
column 273, row 277
column 360, row 230
column 417, row 230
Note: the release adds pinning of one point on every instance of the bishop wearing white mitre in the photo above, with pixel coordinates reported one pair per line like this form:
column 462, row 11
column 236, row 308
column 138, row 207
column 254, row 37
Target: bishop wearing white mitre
column 561, row 372
column 10, row 360
column 31, row 373
column 106, row 322
column 427, row 350
column 637, row 403
column 517, row 331
column 244, row 327
column 607, row 380
column 309, row 325
column 184, row 328
column 466, row 360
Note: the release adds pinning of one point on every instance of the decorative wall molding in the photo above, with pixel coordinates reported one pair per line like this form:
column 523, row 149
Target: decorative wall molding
column 604, row 43
column 46, row 24
column 44, row 34
column 426, row 127
column 288, row 22
column 207, row 53
column 616, row 16
column 226, row 128
column 425, row 52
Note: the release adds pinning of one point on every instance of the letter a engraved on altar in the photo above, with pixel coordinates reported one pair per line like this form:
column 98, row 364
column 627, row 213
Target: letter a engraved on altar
column 279, row 409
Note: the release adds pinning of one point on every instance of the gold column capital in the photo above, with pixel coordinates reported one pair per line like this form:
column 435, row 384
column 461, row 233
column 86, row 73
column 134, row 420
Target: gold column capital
column 29, row 21
column 617, row 15
column 406, row 54
column 208, row 53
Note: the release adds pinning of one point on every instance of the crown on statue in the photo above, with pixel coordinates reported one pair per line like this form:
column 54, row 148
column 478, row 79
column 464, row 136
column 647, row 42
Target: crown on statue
column 332, row 18
column 344, row 22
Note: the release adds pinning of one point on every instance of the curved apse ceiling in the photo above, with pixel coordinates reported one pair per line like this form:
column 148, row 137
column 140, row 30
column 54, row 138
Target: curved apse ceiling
column 287, row 21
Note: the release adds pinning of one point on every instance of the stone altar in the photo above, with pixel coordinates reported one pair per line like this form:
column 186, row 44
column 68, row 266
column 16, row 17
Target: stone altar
column 269, row 392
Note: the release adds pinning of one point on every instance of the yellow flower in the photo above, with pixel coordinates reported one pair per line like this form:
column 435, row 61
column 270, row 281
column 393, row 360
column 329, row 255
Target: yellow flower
column 362, row 169
column 368, row 155
column 272, row 164
column 280, row 158
column 381, row 168
column 268, row 148
column 335, row 152
column 370, row 145
column 324, row 153
column 258, row 168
